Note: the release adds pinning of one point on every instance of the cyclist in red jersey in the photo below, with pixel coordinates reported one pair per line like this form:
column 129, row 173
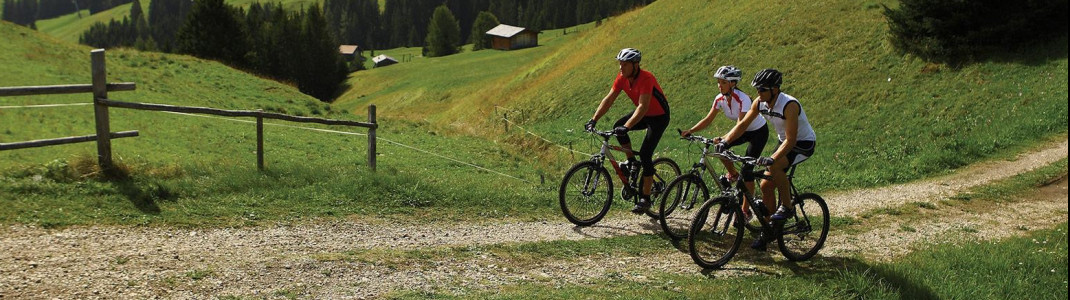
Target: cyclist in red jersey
column 651, row 113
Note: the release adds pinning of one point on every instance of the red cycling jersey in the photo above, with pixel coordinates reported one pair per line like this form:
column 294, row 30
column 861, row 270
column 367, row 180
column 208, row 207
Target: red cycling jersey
column 645, row 84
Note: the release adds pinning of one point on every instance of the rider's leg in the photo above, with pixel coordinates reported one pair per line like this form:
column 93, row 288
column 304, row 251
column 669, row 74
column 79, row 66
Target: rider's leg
column 655, row 128
column 780, row 178
column 755, row 140
column 768, row 190
column 624, row 140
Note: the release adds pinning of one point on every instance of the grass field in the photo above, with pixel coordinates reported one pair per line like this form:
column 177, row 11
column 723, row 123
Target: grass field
column 881, row 117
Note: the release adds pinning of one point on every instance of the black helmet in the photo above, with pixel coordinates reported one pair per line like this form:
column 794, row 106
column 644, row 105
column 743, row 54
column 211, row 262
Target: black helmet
column 768, row 78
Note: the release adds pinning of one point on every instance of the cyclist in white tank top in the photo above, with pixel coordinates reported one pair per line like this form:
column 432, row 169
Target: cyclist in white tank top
column 735, row 104
column 775, row 115
column 797, row 140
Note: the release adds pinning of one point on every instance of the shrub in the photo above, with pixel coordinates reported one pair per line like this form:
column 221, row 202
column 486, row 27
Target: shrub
column 957, row 31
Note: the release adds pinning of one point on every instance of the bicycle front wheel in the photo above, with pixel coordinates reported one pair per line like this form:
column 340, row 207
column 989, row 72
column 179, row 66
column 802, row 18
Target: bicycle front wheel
column 680, row 199
column 715, row 236
column 805, row 234
column 665, row 170
column 586, row 193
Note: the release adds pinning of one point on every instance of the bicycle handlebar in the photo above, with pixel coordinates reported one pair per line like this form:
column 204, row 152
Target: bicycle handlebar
column 702, row 139
column 603, row 134
column 728, row 154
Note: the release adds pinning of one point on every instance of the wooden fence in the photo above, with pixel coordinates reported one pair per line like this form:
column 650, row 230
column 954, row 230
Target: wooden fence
column 101, row 103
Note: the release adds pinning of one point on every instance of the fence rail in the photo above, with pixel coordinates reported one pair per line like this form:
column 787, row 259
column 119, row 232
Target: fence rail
column 101, row 103
column 62, row 141
column 62, row 89
column 231, row 113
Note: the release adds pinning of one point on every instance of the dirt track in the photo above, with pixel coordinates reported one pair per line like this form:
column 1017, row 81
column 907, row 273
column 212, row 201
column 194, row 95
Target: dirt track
column 132, row 262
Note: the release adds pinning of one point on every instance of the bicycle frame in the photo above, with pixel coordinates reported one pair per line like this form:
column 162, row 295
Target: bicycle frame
column 606, row 152
column 739, row 191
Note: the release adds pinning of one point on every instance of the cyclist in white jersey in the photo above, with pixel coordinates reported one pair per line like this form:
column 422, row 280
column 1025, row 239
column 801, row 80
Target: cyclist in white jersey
column 735, row 104
column 797, row 139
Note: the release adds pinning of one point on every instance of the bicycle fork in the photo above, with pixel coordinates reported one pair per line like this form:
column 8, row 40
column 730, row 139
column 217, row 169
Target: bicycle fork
column 588, row 186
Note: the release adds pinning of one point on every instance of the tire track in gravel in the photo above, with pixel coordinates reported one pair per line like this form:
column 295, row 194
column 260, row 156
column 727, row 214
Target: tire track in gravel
column 138, row 262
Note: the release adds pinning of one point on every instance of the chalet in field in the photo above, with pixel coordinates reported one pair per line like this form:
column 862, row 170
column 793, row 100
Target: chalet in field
column 349, row 52
column 382, row 60
column 511, row 37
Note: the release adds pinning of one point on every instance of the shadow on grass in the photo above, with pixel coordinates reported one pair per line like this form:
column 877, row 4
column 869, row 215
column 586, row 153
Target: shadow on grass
column 1035, row 54
column 142, row 194
column 864, row 273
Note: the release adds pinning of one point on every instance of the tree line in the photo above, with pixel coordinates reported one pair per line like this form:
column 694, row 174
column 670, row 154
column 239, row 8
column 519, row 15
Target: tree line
column 405, row 23
column 27, row 12
column 288, row 46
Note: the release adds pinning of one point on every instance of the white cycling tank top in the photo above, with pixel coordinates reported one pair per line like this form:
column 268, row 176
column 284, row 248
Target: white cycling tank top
column 738, row 105
column 776, row 116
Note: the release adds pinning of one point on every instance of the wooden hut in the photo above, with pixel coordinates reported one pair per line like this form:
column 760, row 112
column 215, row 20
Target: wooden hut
column 507, row 37
column 382, row 60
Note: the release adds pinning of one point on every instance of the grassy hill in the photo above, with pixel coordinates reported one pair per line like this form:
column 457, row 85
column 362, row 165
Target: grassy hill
column 880, row 116
column 195, row 170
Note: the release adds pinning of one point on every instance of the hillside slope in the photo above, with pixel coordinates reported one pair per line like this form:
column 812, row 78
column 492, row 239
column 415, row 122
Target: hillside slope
column 881, row 116
column 32, row 58
column 201, row 170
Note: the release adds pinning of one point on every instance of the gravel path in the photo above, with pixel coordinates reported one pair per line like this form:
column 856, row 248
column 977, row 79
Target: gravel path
column 281, row 261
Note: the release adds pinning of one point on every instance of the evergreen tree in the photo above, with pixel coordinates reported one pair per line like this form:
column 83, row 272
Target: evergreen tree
column 136, row 12
column 478, row 37
column 165, row 18
column 443, row 33
column 322, row 68
column 212, row 31
column 21, row 12
column 48, row 9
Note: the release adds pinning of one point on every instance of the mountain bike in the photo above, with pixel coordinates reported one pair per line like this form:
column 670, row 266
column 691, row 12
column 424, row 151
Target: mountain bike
column 688, row 192
column 586, row 192
column 717, row 228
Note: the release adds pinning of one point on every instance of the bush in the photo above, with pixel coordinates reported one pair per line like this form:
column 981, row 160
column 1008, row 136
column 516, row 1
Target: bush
column 957, row 31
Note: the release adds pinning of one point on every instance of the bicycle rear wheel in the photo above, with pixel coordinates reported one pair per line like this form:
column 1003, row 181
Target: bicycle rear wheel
column 586, row 193
column 680, row 199
column 665, row 170
column 805, row 234
column 714, row 236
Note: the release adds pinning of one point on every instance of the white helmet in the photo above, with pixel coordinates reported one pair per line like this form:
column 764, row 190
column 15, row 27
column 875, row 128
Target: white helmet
column 629, row 54
column 730, row 73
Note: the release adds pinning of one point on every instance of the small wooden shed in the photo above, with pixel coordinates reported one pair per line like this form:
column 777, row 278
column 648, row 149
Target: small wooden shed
column 507, row 37
column 349, row 52
column 382, row 60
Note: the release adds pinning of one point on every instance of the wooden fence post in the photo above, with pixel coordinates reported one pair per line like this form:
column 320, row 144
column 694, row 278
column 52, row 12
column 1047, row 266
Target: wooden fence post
column 100, row 111
column 260, row 143
column 371, row 136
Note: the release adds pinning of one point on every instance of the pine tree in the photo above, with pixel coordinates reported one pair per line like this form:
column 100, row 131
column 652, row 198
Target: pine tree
column 165, row 18
column 212, row 31
column 323, row 68
column 443, row 33
column 485, row 21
